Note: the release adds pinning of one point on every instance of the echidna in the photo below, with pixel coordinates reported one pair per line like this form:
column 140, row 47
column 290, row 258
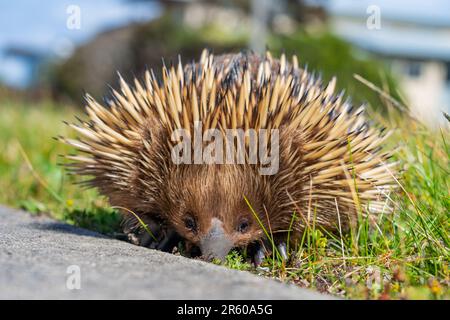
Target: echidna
column 330, row 167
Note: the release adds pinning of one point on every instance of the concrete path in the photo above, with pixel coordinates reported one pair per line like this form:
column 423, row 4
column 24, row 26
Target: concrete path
column 36, row 255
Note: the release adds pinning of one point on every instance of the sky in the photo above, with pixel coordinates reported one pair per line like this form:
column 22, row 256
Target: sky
column 41, row 27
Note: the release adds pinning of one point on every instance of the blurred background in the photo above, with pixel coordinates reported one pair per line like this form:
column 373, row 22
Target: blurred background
column 55, row 49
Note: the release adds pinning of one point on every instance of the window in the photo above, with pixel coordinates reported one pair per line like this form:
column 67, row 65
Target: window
column 413, row 69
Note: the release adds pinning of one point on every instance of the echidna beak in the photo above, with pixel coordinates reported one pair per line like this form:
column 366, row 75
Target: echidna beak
column 215, row 244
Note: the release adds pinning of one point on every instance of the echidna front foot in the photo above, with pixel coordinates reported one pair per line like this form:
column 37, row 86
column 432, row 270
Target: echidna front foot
column 154, row 235
column 163, row 239
column 142, row 238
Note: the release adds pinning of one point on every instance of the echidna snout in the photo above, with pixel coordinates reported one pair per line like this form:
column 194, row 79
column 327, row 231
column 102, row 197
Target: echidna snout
column 216, row 243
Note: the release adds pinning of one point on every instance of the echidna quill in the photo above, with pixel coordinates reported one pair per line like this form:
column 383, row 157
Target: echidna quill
column 321, row 164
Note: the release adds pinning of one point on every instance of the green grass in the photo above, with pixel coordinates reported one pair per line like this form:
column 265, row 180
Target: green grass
column 30, row 177
column 400, row 255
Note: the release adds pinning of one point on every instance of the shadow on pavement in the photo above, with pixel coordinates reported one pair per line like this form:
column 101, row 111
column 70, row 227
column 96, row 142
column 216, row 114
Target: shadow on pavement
column 65, row 228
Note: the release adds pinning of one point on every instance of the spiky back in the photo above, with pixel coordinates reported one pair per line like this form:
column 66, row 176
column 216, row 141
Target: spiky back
column 335, row 165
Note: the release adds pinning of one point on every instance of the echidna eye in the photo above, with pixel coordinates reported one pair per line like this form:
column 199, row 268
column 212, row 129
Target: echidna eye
column 190, row 223
column 243, row 226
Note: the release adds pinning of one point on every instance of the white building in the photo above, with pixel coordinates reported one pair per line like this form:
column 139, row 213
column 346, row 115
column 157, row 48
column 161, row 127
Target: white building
column 413, row 36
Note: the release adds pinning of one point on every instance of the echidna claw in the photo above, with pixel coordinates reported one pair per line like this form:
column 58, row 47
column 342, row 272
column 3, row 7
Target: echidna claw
column 132, row 238
column 282, row 249
column 259, row 256
column 155, row 236
column 257, row 252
